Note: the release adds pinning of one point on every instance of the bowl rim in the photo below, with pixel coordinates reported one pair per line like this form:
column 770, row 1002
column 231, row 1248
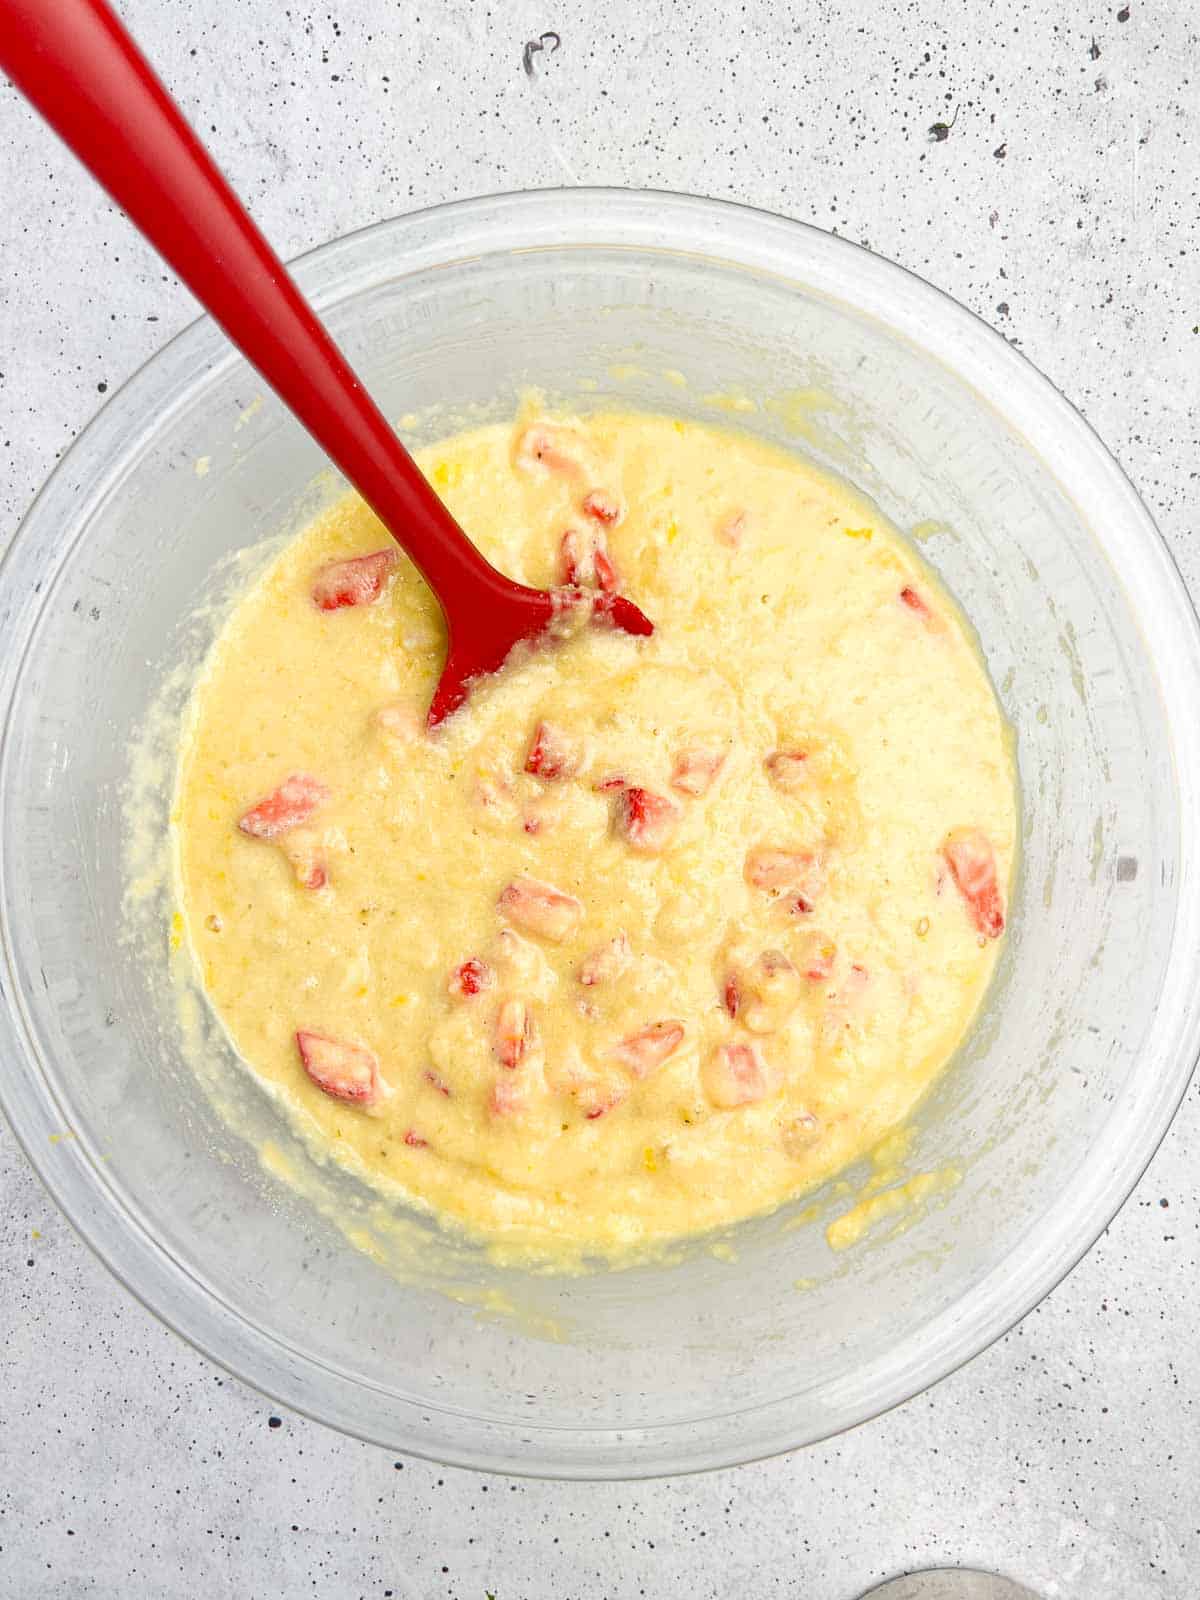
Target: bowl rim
column 1088, row 475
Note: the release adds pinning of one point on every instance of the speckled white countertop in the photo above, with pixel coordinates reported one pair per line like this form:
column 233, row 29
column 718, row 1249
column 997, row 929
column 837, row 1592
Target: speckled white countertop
column 1060, row 203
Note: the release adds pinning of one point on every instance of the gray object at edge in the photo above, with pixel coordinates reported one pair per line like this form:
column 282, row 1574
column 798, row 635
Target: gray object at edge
column 951, row 1583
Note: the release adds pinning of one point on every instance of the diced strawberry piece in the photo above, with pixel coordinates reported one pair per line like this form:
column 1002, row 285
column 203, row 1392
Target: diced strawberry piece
column 972, row 863
column 735, row 1075
column 852, row 986
column 292, row 804
column 643, row 1052
column 731, row 995
column 435, row 1082
column 540, row 908
column 817, row 958
column 779, row 870
column 356, row 582
column 593, row 1092
column 574, row 554
column 305, row 850
column 613, row 784
column 800, row 906
column 606, row 962
column 553, row 449
column 604, row 507
column 788, row 770
column 646, row 820
column 470, row 978
column 553, row 755
column 599, row 1104
column 415, row 1141
column 910, row 597
column 696, row 769
column 345, row 1071
column 513, row 1035
column 606, row 573
column 732, row 529
column 584, row 560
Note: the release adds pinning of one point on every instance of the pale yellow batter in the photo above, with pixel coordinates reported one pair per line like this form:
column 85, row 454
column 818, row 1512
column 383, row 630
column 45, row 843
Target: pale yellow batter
column 655, row 933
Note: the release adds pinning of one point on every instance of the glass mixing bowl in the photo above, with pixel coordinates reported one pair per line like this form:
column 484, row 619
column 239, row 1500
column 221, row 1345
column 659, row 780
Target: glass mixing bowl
column 655, row 301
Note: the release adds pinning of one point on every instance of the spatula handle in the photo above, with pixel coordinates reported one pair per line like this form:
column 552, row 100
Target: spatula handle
column 81, row 70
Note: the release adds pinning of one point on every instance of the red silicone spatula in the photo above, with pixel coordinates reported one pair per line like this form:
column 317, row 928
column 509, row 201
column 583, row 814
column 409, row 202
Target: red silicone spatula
column 78, row 66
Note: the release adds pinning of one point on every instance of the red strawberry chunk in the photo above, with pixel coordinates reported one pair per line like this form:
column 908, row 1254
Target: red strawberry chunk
column 540, row 908
column 356, row 582
column 778, row 870
column 600, row 1102
column 470, row 978
column 573, row 555
column 345, row 1071
column 645, row 1051
column 604, row 507
column 415, row 1141
column 788, row 770
column 972, row 863
column 553, row 755
column 606, row 573
column 696, row 769
column 556, row 450
column 735, row 1075
column 731, row 995
column 911, row 598
column 595, row 1093
column 292, row 804
column 646, row 820
column 817, row 958
column 584, row 559
column 513, row 1035
column 304, row 849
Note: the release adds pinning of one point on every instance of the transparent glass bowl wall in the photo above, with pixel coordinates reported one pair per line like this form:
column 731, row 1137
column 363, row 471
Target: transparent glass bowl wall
column 603, row 299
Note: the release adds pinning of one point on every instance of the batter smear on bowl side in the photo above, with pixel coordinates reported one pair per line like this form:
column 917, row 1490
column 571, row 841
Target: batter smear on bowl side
column 654, row 934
